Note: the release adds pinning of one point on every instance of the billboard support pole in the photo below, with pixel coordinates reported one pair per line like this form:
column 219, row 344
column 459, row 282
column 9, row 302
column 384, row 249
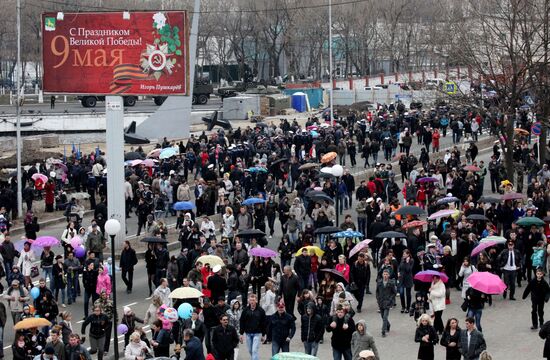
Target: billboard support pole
column 116, row 206
column 19, row 143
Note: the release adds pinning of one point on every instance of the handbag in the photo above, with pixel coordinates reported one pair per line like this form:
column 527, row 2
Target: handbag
column 464, row 306
column 353, row 287
column 34, row 271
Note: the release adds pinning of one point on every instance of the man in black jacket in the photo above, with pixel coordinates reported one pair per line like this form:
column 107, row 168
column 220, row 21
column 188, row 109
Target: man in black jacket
column 252, row 324
column 217, row 284
column 510, row 261
column 282, row 328
column 210, row 316
column 224, row 340
column 302, row 266
column 360, row 276
column 128, row 260
column 342, row 329
column 312, row 330
column 194, row 324
column 289, row 289
column 98, row 324
column 89, row 279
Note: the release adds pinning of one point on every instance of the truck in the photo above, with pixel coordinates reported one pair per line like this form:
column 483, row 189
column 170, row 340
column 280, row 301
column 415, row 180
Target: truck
column 201, row 95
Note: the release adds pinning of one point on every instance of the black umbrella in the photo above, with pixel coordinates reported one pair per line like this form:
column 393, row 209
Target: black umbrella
column 278, row 161
column 260, row 125
column 250, row 233
column 327, row 230
column 322, row 198
column 313, row 193
column 133, row 156
column 337, row 275
column 323, row 175
column 154, row 240
column 480, row 217
column 410, row 210
column 490, row 199
column 391, row 234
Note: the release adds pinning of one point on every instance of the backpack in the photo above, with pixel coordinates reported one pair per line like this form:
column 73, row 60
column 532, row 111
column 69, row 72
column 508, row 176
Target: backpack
column 537, row 258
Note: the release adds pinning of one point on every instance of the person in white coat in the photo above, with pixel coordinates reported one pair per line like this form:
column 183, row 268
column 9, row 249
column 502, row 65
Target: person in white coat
column 136, row 348
column 466, row 270
column 26, row 259
column 163, row 292
column 436, row 297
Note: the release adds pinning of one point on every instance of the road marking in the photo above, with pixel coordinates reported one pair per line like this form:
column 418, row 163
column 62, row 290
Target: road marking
column 131, row 304
column 80, row 321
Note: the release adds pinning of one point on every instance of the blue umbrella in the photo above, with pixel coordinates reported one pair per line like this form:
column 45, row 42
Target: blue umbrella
column 167, row 153
column 314, row 134
column 347, row 234
column 184, row 205
column 252, row 201
column 447, row 200
column 257, row 169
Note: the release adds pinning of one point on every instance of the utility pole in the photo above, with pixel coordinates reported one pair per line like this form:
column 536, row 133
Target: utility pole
column 330, row 60
column 19, row 144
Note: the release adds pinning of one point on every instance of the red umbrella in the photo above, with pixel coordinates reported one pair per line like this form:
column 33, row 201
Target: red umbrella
column 415, row 223
column 471, row 168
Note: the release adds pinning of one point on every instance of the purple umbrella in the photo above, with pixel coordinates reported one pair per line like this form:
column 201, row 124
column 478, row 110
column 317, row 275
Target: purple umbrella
column 21, row 243
column 512, row 196
column 428, row 275
column 482, row 246
column 427, row 180
column 263, row 252
column 45, row 241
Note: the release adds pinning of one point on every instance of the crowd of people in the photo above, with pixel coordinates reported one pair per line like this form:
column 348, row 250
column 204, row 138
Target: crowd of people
column 237, row 190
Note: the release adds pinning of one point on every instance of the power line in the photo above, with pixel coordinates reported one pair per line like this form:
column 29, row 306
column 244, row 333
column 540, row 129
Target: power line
column 303, row 7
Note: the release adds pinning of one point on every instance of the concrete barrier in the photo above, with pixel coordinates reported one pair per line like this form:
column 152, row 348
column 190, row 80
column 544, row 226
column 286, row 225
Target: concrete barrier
column 50, row 141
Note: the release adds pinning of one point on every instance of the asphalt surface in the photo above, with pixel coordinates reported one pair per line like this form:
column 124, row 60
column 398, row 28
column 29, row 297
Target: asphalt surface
column 506, row 324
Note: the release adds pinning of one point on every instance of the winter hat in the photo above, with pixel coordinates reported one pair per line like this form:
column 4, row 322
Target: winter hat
column 127, row 310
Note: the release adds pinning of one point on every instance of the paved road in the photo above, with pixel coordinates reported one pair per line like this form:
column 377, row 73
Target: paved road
column 73, row 107
column 504, row 320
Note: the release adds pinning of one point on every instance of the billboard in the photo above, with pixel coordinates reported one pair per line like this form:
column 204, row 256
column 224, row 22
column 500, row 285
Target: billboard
column 126, row 53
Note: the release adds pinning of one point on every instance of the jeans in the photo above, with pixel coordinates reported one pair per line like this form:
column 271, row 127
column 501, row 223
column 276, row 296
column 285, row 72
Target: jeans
column 293, row 236
column 87, row 296
column 311, row 348
column 384, row 313
column 72, row 284
column 359, row 295
column 1, row 342
column 63, row 293
column 509, row 278
column 253, row 345
column 338, row 354
column 362, row 225
column 277, row 348
column 476, row 314
column 128, row 277
column 97, row 345
column 8, row 265
column 47, row 273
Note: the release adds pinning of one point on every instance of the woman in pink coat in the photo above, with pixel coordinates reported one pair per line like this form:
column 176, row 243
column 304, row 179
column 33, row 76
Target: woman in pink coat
column 103, row 282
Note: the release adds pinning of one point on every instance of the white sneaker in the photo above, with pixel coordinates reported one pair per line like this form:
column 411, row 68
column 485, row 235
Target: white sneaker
column 271, row 237
column 63, row 305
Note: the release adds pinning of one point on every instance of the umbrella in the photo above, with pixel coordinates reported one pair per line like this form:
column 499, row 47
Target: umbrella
column 261, row 125
column 45, row 241
column 428, row 275
column 472, row 168
column 441, row 214
column 486, row 283
column 497, row 239
column 135, row 162
column 18, row 245
column 154, row 240
column 427, row 180
column 347, row 234
column 59, row 163
column 185, row 293
column 324, row 175
column 479, row 217
column 314, row 134
column 263, row 252
column 512, row 196
column 80, row 195
column 154, row 153
column 253, row 201
column 312, row 127
column 530, row 221
column 293, row 356
column 250, row 233
column 321, row 198
column 308, row 166
column 390, row 234
column 520, row 131
column 326, row 230
column 357, row 248
column 337, row 275
column 256, row 169
column 40, row 176
column 482, row 246
column 210, row 259
column 148, row 162
column 278, row 161
column 168, row 153
column 415, row 223
column 33, row 322
column 447, row 200
column 410, row 210
column 317, row 250
column 184, row 205
column 398, row 156
column 133, row 156
column 328, row 157
column 313, row 193
column 490, row 199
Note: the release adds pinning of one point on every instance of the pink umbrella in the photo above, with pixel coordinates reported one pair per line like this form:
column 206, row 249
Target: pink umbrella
column 487, row 283
column 262, row 252
column 136, row 162
column 441, row 213
column 512, row 196
column 154, row 153
column 148, row 163
column 483, row 246
column 428, row 275
column 60, row 164
column 37, row 176
column 45, row 241
column 362, row 245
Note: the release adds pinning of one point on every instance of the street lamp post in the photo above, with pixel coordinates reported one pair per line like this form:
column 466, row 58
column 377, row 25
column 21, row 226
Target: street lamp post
column 337, row 171
column 112, row 227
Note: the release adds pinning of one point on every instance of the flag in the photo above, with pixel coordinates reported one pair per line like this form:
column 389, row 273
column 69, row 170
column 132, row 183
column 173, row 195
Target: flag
column 73, row 151
column 78, row 153
column 64, row 154
column 97, row 152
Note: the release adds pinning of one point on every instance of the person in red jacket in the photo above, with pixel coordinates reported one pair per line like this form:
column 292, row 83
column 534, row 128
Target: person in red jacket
column 435, row 140
column 49, row 198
